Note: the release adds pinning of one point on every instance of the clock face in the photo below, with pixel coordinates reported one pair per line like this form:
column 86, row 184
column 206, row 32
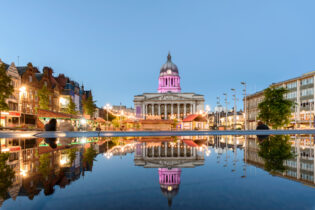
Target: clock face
column 169, row 71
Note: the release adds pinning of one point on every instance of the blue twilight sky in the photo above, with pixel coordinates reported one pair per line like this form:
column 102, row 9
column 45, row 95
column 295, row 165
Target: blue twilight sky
column 116, row 48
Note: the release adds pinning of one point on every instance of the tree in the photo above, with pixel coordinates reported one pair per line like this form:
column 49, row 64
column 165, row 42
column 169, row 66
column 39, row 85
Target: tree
column 89, row 155
column 44, row 164
column 275, row 110
column 71, row 154
column 275, row 150
column 71, row 107
column 89, row 106
column 43, row 95
column 6, row 175
column 116, row 122
column 6, row 89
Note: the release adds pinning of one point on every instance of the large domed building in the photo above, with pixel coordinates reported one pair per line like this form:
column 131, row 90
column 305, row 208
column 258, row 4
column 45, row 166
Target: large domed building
column 169, row 102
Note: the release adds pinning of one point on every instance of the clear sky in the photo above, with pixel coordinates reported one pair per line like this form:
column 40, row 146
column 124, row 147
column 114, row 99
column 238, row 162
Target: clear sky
column 116, row 48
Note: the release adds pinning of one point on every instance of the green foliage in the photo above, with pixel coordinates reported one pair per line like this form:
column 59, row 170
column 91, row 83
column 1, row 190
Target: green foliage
column 43, row 95
column 115, row 141
column 44, row 164
column 89, row 106
column 174, row 123
column 116, row 122
column 275, row 110
column 89, row 155
column 71, row 154
column 275, row 150
column 71, row 107
column 6, row 88
column 6, row 175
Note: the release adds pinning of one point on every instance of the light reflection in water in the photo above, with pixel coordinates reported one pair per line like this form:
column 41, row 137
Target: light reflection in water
column 38, row 167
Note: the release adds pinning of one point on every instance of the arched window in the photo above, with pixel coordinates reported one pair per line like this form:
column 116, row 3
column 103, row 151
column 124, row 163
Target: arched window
column 166, row 82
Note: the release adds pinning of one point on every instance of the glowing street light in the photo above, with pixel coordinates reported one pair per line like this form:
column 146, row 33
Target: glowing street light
column 63, row 101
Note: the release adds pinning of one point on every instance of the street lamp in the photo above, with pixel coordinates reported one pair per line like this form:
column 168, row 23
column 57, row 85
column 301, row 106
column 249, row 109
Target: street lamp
column 107, row 107
column 226, row 110
column 218, row 110
column 234, row 116
column 245, row 107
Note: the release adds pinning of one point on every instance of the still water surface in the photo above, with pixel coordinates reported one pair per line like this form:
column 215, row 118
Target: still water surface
column 226, row 172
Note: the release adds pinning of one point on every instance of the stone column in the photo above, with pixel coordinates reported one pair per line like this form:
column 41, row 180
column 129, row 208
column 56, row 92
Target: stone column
column 143, row 149
column 194, row 108
column 143, row 110
column 191, row 109
column 152, row 109
column 165, row 111
column 159, row 109
column 160, row 151
column 178, row 114
column 165, row 149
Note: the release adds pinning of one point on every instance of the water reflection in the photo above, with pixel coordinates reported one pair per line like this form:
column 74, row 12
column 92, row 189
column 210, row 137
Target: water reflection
column 30, row 166
column 286, row 156
column 169, row 157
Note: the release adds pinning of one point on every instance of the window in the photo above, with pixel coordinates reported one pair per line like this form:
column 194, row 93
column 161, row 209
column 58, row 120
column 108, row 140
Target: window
column 30, row 78
column 307, row 92
column 307, row 81
column 45, row 83
column 291, row 95
column 291, row 85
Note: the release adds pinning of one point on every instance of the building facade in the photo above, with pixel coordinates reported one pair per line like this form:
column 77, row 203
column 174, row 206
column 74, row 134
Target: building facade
column 169, row 102
column 300, row 92
column 12, row 117
column 24, row 101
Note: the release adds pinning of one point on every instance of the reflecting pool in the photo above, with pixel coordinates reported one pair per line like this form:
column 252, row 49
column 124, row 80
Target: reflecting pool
column 198, row 172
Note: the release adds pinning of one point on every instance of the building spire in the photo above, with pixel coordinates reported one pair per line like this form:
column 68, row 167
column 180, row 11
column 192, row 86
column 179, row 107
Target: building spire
column 169, row 57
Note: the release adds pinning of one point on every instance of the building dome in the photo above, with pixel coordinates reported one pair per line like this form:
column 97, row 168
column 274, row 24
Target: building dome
column 169, row 67
column 169, row 80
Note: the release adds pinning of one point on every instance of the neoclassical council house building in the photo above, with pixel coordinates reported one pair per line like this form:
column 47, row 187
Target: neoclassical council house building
column 169, row 102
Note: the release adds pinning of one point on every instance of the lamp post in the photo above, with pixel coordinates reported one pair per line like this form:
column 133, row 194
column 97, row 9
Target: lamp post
column 208, row 108
column 107, row 107
column 245, row 107
column 218, row 114
column 234, row 116
column 226, row 110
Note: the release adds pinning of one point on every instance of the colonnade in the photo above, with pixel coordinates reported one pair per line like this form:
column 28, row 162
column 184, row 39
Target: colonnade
column 168, row 110
column 169, row 150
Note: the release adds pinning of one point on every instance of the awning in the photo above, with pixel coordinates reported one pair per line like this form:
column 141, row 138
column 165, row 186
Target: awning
column 190, row 143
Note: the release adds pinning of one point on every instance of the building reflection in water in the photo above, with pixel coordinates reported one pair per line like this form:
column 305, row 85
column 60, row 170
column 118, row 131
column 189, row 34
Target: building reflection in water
column 39, row 167
column 300, row 168
column 169, row 156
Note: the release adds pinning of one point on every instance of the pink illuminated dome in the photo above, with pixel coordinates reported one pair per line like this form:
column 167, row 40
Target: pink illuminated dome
column 169, row 80
column 169, row 180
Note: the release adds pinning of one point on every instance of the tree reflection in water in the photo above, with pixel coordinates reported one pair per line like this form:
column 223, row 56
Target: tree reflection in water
column 275, row 150
column 6, row 175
